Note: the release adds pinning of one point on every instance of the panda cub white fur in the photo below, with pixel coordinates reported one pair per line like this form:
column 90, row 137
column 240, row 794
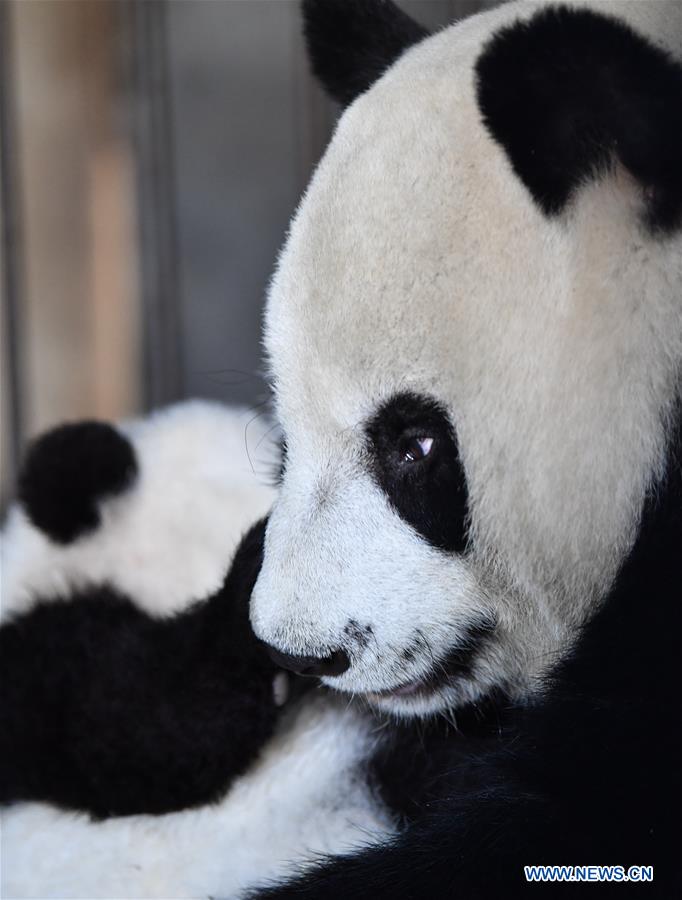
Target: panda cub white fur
column 170, row 539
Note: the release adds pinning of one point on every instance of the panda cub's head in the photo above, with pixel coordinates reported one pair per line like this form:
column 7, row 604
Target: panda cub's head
column 475, row 335
column 153, row 507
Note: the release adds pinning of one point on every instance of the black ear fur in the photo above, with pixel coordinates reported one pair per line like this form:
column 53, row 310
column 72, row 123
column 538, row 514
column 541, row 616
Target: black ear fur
column 569, row 90
column 68, row 470
column 351, row 43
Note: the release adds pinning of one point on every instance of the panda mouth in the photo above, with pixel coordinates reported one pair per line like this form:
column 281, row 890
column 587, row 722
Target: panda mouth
column 417, row 688
column 457, row 664
column 406, row 690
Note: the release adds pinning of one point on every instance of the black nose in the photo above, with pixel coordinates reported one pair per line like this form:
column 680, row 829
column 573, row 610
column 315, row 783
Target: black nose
column 334, row 664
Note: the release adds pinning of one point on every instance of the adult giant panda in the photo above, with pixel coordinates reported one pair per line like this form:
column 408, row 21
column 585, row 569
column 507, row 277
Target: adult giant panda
column 475, row 336
column 475, row 342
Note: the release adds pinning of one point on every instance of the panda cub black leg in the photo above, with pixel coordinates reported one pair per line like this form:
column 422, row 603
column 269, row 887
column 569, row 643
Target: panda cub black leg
column 67, row 472
column 106, row 709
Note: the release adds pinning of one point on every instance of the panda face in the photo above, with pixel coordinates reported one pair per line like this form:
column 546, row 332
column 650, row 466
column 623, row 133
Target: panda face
column 383, row 508
column 473, row 389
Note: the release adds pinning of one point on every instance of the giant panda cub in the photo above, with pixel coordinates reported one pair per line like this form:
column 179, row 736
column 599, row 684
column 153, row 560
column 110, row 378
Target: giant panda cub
column 170, row 755
column 475, row 343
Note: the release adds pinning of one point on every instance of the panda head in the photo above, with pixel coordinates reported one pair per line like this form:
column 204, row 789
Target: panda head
column 475, row 335
column 153, row 507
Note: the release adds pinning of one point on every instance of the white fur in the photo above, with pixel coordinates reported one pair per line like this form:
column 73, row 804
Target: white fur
column 418, row 260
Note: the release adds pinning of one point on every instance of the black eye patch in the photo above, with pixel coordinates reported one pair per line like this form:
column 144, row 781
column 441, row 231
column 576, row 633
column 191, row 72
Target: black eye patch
column 415, row 461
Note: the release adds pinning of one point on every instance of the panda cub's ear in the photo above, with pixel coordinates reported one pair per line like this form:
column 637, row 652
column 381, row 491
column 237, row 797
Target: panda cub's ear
column 351, row 43
column 568, row 92
column 67, row 471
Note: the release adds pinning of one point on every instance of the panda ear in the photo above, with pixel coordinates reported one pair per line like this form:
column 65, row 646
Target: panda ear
column 569, row 92
column 67, row 471
column 351, row 43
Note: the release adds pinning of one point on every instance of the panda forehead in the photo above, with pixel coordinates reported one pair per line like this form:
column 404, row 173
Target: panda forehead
column 413, row 217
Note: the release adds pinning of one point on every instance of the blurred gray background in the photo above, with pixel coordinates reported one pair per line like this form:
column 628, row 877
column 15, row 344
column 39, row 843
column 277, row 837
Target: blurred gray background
column 152, row 155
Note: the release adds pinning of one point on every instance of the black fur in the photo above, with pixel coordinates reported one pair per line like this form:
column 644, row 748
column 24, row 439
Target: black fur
column 66, row 473
column 106, row 709
column 408, row 767
column 429, row 494
column 460, row 660
column 351, row 43
column 590, row 774
column 570, row 90
column 282, row 463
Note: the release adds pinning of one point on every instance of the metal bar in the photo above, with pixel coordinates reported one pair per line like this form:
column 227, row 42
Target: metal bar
column 12, row 245
column 152, row 132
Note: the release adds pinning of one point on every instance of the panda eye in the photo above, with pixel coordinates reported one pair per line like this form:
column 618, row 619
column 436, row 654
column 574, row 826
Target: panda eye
column 416, row 449
column 414, row 458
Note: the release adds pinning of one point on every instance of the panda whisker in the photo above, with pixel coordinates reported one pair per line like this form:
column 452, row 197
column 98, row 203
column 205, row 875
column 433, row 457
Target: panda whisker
column 257, row 415
column 265, row 435
column 215, row 376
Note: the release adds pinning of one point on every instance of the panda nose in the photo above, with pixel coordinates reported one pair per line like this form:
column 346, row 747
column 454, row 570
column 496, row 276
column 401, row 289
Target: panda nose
column 335, row 664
